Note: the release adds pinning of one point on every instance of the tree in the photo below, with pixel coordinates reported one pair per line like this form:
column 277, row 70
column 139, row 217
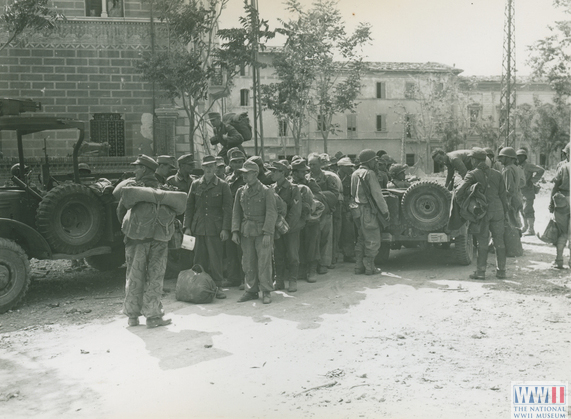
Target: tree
column 487, row 129
column 190, row 68
column 550, row 128
column 312, row 83
column 34, row 15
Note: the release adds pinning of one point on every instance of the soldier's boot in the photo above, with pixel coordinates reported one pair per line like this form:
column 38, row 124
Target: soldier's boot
column 560, row 247
column 312, row 271
column 280, row 271
column 266, row 297
column 359, row 266
column 525, row 226
column 478, row 275
column 302, row 272
column 293, row 272
column 530, row 231
column 370, row 268
column 501, row 259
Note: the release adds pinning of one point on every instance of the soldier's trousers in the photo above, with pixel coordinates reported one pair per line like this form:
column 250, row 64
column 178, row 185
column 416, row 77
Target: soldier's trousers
column 286, row 255
column 208, row 253
column 337, row 225
column 347, row 238
column 325, row 243
column 257, row 264
column 368, row 234
column 234, row 262
column 309, row 244
column 495, row 226
column 528, row 200
column 146, row 265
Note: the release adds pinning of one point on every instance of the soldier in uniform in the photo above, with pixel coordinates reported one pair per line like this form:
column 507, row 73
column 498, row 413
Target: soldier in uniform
column 146, row 261
column 507, row 158
column 166, row 166
column 287, row 246
column 253, row 224
column 347, row 238
column 369, row 230
column 234, row 271
column 208, row 217
column 263, row 175
column 382, row 172
column 533, row 174
column 559, row 207
column 183, row 177
column 493, row 187
column 398, row 173
column 328, row 165
column 225, row 134
column 220, row 167
column 455, row 161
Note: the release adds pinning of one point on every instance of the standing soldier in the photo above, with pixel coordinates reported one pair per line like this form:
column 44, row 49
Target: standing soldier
column 382, row 171
column 507, row 158
column 220, row 168
column 253, row 223
column 533, row 174
column 208, row 217
column 146, row 260
column 183, row 177
column 166, row 166
column 347, row 238
column 287, row 246
column 559, row 206
column 367, row 194
column 493, row 187
column 336, row 215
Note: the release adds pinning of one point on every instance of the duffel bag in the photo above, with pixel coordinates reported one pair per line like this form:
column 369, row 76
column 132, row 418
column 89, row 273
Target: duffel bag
column 195, row 286
column 512, row 241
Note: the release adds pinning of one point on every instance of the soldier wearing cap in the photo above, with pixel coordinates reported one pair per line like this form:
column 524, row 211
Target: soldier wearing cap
column 308, row 239
column 287, row 246
column 328, row 166
column 234, row 271
column 253, row 223
column 225, row 134
column 455, row 161
column 507, row 158
column 398, row 173
column 533, row 174
column 348, row 235
column 146, row 259
column 220, row 168
column 208, row 217
column 166, row 166
column 493, row 163
column 559, row 206
column 183, row 177
column 263, row 174
column 493, row 187
column 367, row 194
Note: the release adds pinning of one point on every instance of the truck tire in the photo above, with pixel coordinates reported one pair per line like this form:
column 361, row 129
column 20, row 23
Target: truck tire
column 426, row 205
column 464, row 249
column 107, row 262
column 14, row 274
column 71, row 218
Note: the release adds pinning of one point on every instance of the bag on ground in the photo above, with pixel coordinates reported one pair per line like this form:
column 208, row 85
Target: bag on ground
column 195, row 286
column 550, row 234
column 512, row 240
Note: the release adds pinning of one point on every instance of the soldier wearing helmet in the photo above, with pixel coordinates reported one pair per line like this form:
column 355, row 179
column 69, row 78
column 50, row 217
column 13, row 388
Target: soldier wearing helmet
column 367, row 195
column 510, row 174
column 533, row 174
column 398, row 173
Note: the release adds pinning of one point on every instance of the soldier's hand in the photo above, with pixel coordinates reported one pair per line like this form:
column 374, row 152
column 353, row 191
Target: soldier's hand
column 267, row 240
column 387, row 216
column 224, row 235
column 236, row 237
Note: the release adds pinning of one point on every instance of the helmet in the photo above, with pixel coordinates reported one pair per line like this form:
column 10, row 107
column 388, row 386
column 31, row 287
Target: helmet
column 15, row 170
column 84, row 166
column 366, row 156
column 508, row 152
column 521, row 152
column 396, row 169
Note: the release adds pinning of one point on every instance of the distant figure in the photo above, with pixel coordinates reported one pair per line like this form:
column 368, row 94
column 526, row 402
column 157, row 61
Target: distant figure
column 166, row 165
column 533, row 174
column 559, row 207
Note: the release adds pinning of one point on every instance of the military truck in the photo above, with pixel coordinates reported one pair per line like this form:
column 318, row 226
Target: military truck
column 47, row 217
column 420, row 216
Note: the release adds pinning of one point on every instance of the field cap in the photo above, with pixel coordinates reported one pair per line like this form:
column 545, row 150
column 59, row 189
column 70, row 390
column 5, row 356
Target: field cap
column 220, row 161
column 249, row 166
column 167, row 160
column 146, row 161
column 186, row 159
column 345, row 161
column 208, row 160
column 299, row 164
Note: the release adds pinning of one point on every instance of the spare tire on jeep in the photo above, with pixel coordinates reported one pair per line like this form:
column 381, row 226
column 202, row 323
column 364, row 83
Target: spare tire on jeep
column 426, row 205
column 71, row 218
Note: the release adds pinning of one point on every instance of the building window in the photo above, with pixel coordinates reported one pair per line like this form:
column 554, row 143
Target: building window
column 243, row 69
column 109, row 128
column 104, row 8
column 321, row 124
column 474, row 114
column 282, row 128
column 244, row 97
column 409, row 89
column 381, row 122
column 409, row 125
column 352, row 123
column 381, row 93
column 410, row 159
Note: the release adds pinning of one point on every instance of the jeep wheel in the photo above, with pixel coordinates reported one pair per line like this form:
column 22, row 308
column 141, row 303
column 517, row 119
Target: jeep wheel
column 71, row 218
column 109, row 261
column 464, row 249
column 426, row 205
column 14, row 274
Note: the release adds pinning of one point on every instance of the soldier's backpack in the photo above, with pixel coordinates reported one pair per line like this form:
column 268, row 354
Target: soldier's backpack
column 241, row 122
column 195, row 286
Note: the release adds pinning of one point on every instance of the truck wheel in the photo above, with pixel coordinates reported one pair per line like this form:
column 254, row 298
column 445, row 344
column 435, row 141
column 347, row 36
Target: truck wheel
column 71, row 218
column 14, row 274
column 109, row 261
column 426, row 205
column 464, row 249
column 383, row 255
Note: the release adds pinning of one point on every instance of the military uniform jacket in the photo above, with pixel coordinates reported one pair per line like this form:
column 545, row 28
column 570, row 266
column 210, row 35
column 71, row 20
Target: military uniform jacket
column 511, row 180
column 254, row 211
column 359, row 194
column 493, row 187
column 208, row 207
column 292, row 197
column 327, row 182
column 532, row 175
column 179, row 182
column 235, row 181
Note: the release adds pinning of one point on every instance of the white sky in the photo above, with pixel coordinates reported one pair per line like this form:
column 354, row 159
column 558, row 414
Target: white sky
column 464, row 33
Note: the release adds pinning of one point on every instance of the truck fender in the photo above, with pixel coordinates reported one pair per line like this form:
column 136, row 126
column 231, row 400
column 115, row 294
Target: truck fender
column 32, row 241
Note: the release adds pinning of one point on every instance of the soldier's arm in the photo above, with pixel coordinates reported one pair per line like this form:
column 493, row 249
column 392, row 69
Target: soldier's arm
column 459, row 166
column 294, row 211
column 332, row 185
column 503, row 198
column 538, row 172
column 468, row 181
column 271, row 213
column 226, row 207
column 190, row 202
column 376, row 192
column 237, row 212
column 449, row 175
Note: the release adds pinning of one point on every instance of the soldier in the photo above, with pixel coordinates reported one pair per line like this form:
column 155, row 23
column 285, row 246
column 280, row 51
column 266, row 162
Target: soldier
column 494, row 164
column 559, row 207
column 253, row 223
column 328, row 165
column 458, row 161
column 287, row 246
column 533, row 174
column 263, row 175
column 367, row 194
column 398, row 173
column 208, row 217
column 166, row 165
column 183, row 177
column 220, row 168
column 225, row 134
column 347, row 236
column 382, row 172
column 146, row 261
column 507, row 158
column 493, row 187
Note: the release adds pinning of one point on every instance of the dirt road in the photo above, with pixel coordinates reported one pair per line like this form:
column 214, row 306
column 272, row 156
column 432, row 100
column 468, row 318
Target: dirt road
column 419, row 341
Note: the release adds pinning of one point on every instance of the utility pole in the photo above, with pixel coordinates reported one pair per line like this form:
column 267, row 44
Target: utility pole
column 508, row 84
column 256, row 84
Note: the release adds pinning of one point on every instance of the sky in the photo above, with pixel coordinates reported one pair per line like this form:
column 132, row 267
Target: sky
column 467, row 34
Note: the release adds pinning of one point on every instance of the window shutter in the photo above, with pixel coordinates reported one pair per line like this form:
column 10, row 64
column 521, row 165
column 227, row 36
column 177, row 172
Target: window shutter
column 383, row 122
column 381, row 90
